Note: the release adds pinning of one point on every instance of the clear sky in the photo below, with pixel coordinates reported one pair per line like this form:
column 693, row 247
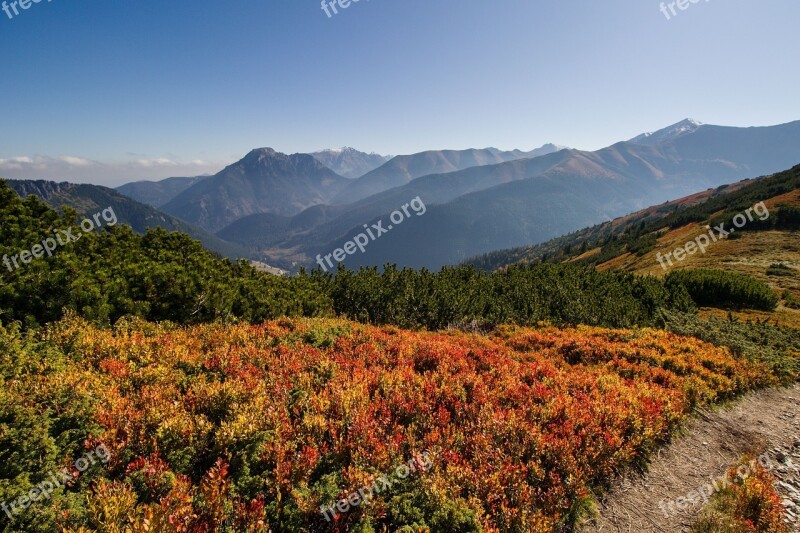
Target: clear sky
column 107, row 91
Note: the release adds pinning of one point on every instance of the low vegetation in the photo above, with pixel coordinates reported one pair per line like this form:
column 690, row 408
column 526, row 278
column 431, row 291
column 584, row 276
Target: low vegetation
column 775, row 346
column 781, row 269
column 750, row 505
column 253, row 428
column 559, row 294
column 718, row 288
column 115, row 272
column 790, row 301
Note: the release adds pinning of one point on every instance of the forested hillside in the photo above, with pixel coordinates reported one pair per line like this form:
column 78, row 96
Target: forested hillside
column 85, row 198
column 113, row 272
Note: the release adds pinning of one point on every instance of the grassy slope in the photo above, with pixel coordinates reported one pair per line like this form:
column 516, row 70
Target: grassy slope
column 752, row 254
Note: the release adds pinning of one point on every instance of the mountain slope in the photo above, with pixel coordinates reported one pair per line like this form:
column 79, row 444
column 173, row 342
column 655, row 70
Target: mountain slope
column 89, row 199
column 256, row 230
column 157, row 193
column 263, row 181
column 573, row 243
column 319, row 224
column 644, row 242
column 605, row 184
column 349, row 162
column 502, row 215
column 620, row 243
column 405, row 168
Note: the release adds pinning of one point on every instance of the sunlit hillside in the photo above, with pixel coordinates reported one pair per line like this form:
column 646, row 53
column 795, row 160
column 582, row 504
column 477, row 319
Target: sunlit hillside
column 772, row 256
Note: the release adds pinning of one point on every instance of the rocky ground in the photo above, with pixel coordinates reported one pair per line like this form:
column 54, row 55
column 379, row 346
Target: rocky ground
column 786, row 467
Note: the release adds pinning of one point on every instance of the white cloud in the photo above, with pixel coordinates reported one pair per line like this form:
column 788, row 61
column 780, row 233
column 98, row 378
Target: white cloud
column 82, row 170
column 15, row 163
column 76, row 161
column 150, row 163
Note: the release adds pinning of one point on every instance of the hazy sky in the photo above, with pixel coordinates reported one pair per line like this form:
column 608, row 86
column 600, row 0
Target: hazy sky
column 109, row 90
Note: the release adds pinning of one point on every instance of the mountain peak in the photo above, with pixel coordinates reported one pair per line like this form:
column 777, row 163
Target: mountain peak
column 261, row 152
column 669, row 133
column 343, row 149
column 264, row 181
column 349, row 162
column 346, row 150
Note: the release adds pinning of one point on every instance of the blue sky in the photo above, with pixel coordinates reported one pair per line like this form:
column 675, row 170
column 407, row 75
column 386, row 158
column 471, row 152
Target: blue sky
column 109, row 90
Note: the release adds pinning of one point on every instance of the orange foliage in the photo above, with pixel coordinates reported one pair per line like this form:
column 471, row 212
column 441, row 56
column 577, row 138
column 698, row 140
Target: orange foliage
column 256, row 427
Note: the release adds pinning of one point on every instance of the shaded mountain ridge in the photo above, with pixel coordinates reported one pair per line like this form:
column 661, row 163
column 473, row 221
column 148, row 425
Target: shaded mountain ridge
column 264, row 181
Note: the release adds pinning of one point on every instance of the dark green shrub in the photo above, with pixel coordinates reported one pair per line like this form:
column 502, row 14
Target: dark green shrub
column 718, row 288
column 525, row 295
column 780, row 269
column 790, row 301
column 643, row 245
column 787, row 218
column 115, row 272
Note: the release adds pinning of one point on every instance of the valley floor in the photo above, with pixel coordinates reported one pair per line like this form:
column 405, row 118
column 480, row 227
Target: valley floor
column 767, row 421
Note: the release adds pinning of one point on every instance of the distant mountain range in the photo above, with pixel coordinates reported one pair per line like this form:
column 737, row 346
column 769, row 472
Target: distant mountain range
column 269, row 184
column 89, row 199
column 405, row 168
column 521, row 201
column 541, row 198
column 285, row 209
column 349, row 162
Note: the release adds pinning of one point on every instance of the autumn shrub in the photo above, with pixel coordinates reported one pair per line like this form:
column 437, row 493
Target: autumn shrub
column 749, row 505
column 773, row 345
column 254, row 428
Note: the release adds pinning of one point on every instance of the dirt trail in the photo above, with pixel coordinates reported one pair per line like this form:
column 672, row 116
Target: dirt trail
column 765, row 421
